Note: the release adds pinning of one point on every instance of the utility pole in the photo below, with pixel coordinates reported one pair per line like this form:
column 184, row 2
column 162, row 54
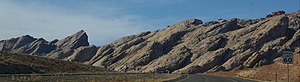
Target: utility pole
column 276, row 77
column 288, row 73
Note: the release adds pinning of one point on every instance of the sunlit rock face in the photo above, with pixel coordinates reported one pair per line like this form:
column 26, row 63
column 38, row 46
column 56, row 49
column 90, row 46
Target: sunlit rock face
column 192, row 46
column 189, row 46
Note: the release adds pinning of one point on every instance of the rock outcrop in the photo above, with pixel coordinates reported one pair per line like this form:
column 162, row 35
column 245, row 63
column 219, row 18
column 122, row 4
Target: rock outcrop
column 83, row 54
column 66, row 47
column 77, row 40
column 15, row 43
column 190, row 46
column 59, row 49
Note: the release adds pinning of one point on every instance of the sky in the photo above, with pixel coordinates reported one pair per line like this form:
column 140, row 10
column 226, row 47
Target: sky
column 107, row 20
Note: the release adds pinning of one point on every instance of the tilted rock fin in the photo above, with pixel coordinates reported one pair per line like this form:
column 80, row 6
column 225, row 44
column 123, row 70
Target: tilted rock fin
column 189, row 46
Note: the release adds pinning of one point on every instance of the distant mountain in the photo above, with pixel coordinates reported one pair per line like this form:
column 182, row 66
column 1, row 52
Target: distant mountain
column 60, row 49
column 190, row 46
column 12, row 63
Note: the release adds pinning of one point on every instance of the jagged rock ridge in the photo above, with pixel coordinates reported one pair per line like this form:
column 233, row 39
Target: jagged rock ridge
column 40, row 47
column 190, row 46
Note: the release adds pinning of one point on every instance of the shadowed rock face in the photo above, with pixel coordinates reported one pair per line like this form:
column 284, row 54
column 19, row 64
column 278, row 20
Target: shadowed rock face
column 54, row 49
column 190, row 46
column 15, row 43
column 83, row 54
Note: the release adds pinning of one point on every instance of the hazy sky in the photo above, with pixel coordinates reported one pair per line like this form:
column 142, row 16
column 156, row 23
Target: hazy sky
column 107, row 20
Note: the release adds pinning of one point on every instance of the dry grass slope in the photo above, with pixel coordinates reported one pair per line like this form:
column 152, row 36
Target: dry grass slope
column 28, row 66
column 268, row 72
column 104, row 77
column 11, row 63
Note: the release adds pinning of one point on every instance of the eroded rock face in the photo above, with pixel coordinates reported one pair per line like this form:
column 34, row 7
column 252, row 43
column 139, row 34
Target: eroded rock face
column 66, row 47
column 82, row 54
column 40, row 46
column 190, row 46
column 74, row 41
column 208, row 61
column 60, row 49
column 15, row 43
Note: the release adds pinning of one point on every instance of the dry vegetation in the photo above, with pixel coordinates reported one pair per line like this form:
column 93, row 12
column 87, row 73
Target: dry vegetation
column 26, row 68
column 112, row 77
column 11, row 63
column 268, row 72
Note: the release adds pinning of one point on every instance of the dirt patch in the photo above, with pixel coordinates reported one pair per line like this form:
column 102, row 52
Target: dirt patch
column 278, row 71
column 271, row 72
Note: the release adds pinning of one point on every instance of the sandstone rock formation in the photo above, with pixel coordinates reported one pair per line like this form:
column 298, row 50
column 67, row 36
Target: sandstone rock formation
column 83, row 54
column 55, row 49
column 190, row 46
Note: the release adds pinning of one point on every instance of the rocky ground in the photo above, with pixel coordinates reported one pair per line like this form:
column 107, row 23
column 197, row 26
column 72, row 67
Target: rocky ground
column 189, row 46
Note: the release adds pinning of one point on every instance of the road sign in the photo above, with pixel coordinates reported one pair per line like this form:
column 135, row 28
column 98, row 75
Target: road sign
column 287, row 57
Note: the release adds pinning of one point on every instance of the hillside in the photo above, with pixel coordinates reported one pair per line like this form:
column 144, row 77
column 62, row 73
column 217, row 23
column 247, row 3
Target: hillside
column 11, row 63
column 268, row 72
column 189, row 46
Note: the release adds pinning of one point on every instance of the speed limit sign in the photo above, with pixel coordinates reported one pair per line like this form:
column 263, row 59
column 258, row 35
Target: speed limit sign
column 287, row 57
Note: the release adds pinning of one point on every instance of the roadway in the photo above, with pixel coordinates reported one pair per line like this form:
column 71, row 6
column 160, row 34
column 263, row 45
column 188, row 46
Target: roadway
column 185, row 78
column 210, row 78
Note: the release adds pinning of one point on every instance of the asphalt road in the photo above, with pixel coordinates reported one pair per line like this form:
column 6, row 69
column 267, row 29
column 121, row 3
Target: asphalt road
column 210, row 78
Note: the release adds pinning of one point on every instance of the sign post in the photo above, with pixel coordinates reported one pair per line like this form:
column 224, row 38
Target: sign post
column 287, row 57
